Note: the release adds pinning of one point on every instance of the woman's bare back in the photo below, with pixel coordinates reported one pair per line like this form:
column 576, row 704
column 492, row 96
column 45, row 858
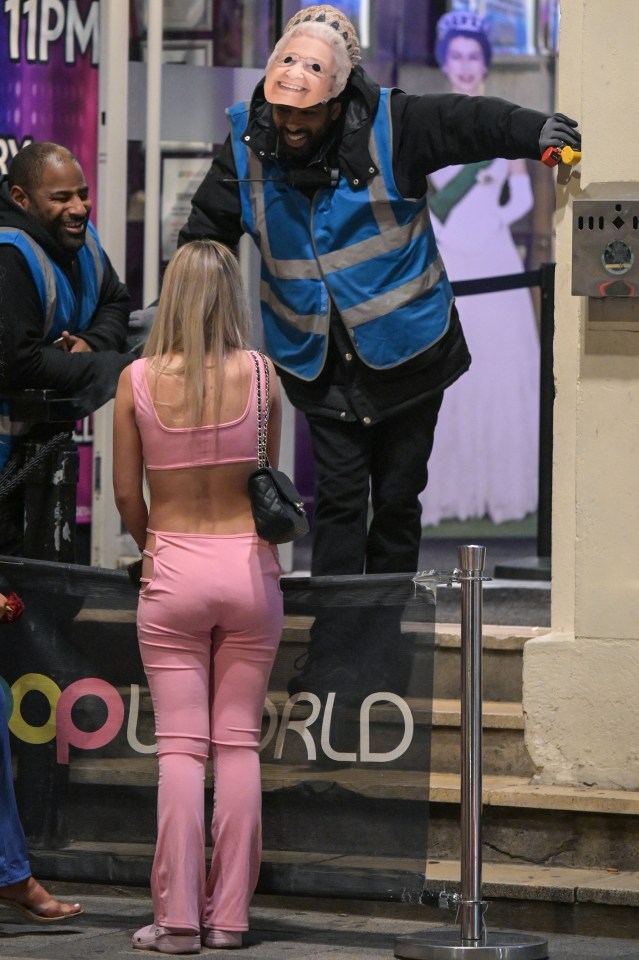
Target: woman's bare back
column 206, row 499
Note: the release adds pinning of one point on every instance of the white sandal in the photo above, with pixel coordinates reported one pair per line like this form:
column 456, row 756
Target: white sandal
column 222, row 939
column 155, row 937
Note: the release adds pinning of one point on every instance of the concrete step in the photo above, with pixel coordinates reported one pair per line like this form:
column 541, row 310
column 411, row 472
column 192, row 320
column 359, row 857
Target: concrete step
column 432, row 649
column 600, row 899
column 366, row 810
column 435, row 652
column 502, row 660
column 435, row 733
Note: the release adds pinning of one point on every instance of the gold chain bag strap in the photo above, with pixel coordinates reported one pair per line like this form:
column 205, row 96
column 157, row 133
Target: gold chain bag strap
column 278, row 509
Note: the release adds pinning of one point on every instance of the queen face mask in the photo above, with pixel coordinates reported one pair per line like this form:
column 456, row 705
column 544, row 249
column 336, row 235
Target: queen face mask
column 302, row 74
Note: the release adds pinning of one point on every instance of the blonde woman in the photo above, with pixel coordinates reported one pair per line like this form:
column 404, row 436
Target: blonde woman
column 210, row 608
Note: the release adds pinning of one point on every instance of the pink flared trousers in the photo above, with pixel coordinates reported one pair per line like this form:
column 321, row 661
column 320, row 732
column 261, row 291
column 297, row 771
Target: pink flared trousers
column 209, row 623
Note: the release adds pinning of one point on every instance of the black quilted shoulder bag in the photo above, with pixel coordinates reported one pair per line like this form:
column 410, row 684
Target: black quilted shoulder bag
column 278, row 509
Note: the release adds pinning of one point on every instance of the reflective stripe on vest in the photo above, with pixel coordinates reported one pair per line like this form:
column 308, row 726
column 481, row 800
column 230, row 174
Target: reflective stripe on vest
column 372, row 249
column 41, row 270
column 61, row 308
column 8, row 430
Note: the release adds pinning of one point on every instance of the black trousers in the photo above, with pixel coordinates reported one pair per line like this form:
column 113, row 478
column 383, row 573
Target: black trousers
column 386, row 461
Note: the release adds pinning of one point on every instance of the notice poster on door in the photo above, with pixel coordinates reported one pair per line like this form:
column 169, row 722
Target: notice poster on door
column 181, row 176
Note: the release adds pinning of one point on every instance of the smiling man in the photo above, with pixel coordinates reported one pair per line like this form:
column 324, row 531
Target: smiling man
column 327, row 172
column 63, row 310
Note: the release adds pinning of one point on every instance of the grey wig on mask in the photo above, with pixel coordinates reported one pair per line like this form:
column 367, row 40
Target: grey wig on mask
column 341, row 57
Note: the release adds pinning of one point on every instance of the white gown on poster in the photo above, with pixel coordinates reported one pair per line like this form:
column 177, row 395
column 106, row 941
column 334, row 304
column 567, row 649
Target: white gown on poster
column 485, row 456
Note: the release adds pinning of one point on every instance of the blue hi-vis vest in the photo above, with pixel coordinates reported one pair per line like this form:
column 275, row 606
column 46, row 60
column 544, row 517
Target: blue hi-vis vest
column 62, row 309
column 370, row 250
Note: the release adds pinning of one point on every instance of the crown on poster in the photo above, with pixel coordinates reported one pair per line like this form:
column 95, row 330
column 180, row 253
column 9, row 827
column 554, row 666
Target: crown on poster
column 465, row 21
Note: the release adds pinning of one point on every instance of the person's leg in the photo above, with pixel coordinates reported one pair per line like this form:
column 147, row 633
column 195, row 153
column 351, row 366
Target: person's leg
column 18, row 889
column 341, row 455
column 401, row 448
column 14, row 857
column 244, row 648
column 174, row 630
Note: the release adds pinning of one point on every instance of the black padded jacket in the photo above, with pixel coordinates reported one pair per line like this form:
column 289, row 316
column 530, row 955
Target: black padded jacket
column 25, row 360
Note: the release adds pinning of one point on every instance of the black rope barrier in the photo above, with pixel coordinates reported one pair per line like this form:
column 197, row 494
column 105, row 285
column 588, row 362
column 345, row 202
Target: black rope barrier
column 537, row 568
column 507, row 281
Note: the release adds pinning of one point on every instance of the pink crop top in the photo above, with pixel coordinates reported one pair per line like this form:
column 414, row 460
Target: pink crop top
column 169, row 448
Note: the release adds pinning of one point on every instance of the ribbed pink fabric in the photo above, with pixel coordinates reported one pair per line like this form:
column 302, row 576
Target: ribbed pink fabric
column 209, row 623
column 168, row 448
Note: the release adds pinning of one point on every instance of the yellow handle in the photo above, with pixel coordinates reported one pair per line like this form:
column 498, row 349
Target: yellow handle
column 570, row 156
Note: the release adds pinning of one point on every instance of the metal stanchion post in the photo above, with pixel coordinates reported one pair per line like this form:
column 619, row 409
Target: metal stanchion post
column 473, row 938
column 471, row 907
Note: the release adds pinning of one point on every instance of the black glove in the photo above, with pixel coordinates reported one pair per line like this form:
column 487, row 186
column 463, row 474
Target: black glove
column 140, row 322
column 557, row 131
column 101, row 381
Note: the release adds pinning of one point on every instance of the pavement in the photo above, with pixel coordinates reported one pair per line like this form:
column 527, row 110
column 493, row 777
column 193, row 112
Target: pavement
column 280, row 929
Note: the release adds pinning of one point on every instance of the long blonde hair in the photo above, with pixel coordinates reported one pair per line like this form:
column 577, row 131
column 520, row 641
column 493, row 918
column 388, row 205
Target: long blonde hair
column 202, row 314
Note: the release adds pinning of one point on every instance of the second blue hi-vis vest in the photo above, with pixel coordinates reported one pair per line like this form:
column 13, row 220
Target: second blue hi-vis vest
column 370, row 250
column 62, row 307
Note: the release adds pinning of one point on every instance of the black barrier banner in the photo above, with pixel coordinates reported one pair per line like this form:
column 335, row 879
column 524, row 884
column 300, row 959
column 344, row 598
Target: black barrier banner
column 346, row 737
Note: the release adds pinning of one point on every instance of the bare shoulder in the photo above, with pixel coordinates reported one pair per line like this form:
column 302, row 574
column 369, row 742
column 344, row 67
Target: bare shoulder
column 124, row 380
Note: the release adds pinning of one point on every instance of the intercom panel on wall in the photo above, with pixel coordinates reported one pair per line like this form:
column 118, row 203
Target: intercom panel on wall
column 605, row 251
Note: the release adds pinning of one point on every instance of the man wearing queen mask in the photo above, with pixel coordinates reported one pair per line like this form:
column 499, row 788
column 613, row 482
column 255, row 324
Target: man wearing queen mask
column 327, row 172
